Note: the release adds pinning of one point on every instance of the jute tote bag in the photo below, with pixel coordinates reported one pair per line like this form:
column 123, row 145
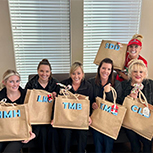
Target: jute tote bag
column 113, row 50
column 14, row 122
column 71, row 111
column 108, row 117
column 139, row 117
column 40, row 103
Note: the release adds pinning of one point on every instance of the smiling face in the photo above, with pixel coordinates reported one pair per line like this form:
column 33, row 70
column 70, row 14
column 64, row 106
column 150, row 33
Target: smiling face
column 77, row 76
column 105, row 71
column 12, row 83
column 44, row 72
column 138, row 74
column 134, row 51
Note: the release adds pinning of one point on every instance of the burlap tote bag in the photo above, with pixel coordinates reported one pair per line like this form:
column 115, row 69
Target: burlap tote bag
column 14, row 122
column 40, row 103
column 107, row 118
column 136, row 118
column 113, row 50
column 71, row 111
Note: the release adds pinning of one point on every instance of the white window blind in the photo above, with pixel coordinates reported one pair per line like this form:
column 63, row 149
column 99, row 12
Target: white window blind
column 41, row 29
column 116, row 20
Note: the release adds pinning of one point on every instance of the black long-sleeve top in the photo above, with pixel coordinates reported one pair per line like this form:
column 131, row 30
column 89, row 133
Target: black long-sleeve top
column 84, row 89
column 98, row 90
column 147, row 89
column 20, row 100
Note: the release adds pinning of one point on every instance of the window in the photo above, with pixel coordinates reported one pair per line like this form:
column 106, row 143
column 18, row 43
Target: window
column 41, row 29
column 116, row 20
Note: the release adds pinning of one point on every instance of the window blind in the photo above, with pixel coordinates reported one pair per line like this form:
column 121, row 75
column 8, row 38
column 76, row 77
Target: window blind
column 41, row 29
column 116, row 20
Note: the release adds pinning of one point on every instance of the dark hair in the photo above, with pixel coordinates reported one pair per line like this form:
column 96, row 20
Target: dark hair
column 111, row 76
column 45, row 62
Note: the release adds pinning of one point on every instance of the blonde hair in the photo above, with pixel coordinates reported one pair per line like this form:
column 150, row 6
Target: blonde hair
column 136, row 64
column 138, row 36
column 9, row 73
column 75, row 66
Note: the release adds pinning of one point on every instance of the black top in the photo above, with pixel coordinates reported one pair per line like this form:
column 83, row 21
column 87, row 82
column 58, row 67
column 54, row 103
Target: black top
column 51, row 87
column 98, row 90
column 147, row 89
column 34, row 84
column 20, row 100
column 84, row 89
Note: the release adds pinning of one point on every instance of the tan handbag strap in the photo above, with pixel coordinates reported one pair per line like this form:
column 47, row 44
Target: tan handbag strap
column 141, row 100
column 66, row 92
column 114, row 95
column 3, row 103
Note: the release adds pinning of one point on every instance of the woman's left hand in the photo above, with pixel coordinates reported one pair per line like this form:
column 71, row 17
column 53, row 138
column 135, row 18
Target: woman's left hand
column 107, row 87
column 51, row 122
column 54, row 94
column 90, row 121
column 134, row 95
column 32, row 136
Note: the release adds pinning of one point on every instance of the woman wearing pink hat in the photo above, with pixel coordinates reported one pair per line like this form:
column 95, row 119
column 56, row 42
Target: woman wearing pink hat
column 133, row 52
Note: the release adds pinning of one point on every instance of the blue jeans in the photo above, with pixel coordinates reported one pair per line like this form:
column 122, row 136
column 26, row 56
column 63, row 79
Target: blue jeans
column 103, row 143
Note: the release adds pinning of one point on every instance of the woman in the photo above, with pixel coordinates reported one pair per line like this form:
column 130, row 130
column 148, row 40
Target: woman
column 44, row 81
column 80, row 86
column 133, row 52
column 14, row 94
column 102, row 82
column 138, row 74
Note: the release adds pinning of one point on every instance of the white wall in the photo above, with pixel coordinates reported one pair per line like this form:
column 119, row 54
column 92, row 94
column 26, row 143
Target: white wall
column 7, row 59
column 146, row 29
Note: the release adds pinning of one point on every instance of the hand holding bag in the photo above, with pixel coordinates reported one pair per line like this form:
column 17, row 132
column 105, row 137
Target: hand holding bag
column 108, row 117
column 14, row 122
column 139, row 117
column 113, row 50
column 71, row 111
column 40, row 103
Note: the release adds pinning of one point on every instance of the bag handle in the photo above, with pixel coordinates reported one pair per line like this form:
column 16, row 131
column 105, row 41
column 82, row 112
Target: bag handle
column 114, row 94
column 142, row 101
column 66, row 92
column 3, row 103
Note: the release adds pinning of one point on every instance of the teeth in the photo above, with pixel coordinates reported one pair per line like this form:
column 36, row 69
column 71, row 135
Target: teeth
column 104, row 74
column 44, row 77
column 133, row 52
column 14, row 87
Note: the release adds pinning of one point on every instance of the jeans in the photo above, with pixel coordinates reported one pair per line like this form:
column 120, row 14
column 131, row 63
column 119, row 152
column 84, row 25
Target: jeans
column 103, row 143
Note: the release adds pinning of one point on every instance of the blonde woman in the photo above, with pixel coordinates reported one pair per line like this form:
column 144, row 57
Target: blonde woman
column 80, row 86
column 133, row 52
column 14, row 94
column 138, row 74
